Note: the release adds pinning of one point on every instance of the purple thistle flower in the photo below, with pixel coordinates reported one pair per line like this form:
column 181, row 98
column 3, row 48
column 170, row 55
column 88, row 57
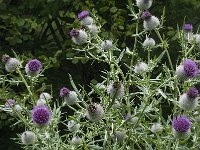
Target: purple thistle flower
column 146, row 15
column 190, row 68
column 187, row 27
column 181, row 124
column 41, row 115
column 83, row 14
column 74, row 32
column 34, row 65
column 9, row 101
column 192, row 92
column 64, row 91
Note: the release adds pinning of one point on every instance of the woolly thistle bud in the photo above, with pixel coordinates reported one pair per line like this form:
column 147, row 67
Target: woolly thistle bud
column 116, row 105
column 79, row 37
column 116, row 90
column 28, row 137
column 73, row 126
column 41, row 115
column 181, row 127
column 10, row 63
column 84, row 18
column 70, row 97
column 107, row 44
column 45, row 96
column 33, row 67
column 189, row 101
column 150, row 22
column 10, row 102
column 119, row 136
column 144, row 4
column 41, row 102
column 156, row 127
column 94, row 112
column 93, row 29
column 18, row 109
column 76, row 140
column 141, row 67
column 149, row 42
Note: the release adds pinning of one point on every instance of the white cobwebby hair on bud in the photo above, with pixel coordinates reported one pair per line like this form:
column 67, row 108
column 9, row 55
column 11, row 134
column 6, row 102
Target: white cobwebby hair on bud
column 76, row 140
column 107, row 44
column 186, row 103
column 149, row 42
column 97, row 114
column 28, row 137
column 41, row 101
column 181, row 135
column 81, row 38
column 141, row 4
column 117, row 92
column 181, row 73
column 141, row 67
column 93, row 29
column 87, row 21
column 156, row 127
column 71, row 98
column 152, row 23
column 45, row 96
column 12, row 64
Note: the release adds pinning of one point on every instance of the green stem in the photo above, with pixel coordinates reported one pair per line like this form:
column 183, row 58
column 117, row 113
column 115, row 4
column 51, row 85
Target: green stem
column 26, row 84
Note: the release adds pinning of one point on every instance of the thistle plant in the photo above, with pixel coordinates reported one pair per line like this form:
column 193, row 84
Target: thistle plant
column 140, row 107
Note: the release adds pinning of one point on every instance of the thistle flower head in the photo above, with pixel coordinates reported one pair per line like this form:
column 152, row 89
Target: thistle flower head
column 71, row 98
column 187, row 27
column 33, row 67
column 28, row 137
column 192, row 92
column 190, row 68
column 107, row 44
column 149, row 42
column 181, row 123
column 10, row 63
column 64, row 91
column 146, row 15
column 79, row 37
column 94, row 112
column 41, row 115
column 74, row 32
column 83, row 14
column 5, row 58
column 9, row 102
column 116, row 89
column 141, row 67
